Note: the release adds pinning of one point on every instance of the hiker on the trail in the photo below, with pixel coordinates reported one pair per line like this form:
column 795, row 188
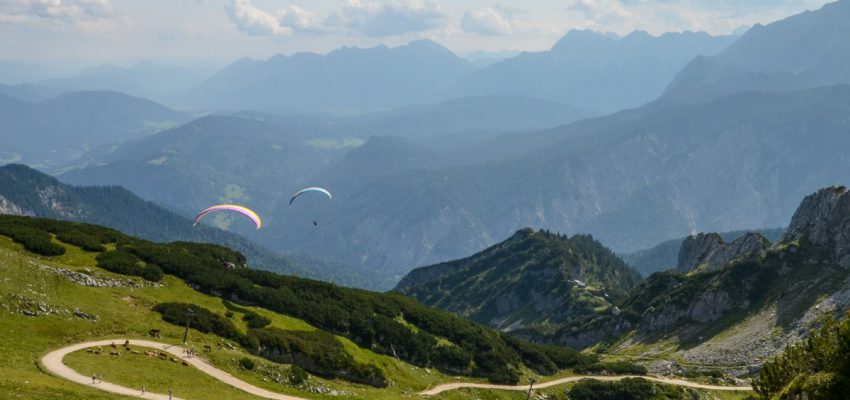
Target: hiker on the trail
column 127, row 343
column 100, row 377
column 93, row 377
column 169, row 393
column 143, row 389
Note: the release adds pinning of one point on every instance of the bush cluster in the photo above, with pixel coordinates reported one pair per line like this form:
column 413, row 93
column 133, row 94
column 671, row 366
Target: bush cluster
column 125, row 263
column 81, row 239
column 613, row 368
column 201, row 319
column 318, row 352
column 36, row 241
column 628, row 389
column 816, row 368
column 255, row 321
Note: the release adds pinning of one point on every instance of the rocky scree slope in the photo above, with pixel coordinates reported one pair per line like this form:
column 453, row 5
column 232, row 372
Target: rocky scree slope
column 741, row 313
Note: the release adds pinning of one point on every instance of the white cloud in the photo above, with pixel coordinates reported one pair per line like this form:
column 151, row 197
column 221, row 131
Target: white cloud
column 658, row 16
column 255, row 21
column 487, row 21
column 85, row 16
column 68, row 10
column 386, row 18
column 391, row 17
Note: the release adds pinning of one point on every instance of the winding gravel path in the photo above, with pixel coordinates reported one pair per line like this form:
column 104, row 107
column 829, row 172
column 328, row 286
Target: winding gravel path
column 678, row 382
column 53, row 362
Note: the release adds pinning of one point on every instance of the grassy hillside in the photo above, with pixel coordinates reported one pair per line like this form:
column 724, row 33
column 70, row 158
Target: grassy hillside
column 45, row 305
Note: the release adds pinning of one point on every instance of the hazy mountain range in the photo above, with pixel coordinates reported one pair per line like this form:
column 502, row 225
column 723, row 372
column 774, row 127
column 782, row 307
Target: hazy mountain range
column 588, row 70
column 596, row 71
column 151, row 80
column 56, row 130
column 803, row 51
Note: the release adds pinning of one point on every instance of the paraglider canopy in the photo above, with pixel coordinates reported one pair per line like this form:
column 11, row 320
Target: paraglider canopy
column 247, row 212
column 310, row 189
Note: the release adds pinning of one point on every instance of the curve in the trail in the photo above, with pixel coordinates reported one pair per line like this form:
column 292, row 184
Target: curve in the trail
column 542, row 385
column 53, row 363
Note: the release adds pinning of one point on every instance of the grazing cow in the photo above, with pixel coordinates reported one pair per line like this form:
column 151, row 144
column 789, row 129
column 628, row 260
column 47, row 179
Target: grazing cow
column 207, row 348
column 155, row 333
column 114, row 353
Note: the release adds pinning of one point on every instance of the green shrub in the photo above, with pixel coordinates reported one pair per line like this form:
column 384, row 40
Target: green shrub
column 36, row 241
column 818, row 366
column 246, row 363
column 297, row 375
column 317, row 352
column 613, row 368
column 627, row 389
column 122, row 262
column 82, row 240
column 255, row 321
column 202, row 319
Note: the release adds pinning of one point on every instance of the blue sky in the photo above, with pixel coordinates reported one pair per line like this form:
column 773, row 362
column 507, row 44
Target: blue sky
column 185, row 31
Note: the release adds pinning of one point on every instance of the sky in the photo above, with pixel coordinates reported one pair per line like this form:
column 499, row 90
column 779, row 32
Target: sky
column 219, row 31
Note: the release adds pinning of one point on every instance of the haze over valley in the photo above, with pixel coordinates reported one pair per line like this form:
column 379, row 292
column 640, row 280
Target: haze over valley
column 380, row 199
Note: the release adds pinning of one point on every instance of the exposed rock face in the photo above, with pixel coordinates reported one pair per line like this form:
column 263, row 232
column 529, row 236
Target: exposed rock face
column 9, row 208
column 824, row 219
column 709, row 249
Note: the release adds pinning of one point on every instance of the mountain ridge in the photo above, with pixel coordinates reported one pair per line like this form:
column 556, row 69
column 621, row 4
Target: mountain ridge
column 532, row 278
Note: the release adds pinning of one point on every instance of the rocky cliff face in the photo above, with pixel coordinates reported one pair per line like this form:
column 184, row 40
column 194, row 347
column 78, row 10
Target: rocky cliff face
column 708, row 249
column 9, row 208
column 823, row 218
column 750, row 302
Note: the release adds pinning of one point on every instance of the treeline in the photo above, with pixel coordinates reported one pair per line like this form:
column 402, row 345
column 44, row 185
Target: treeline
column 389, row 324
column 816, row 368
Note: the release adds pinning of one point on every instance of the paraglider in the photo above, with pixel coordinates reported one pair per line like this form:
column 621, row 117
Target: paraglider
column 247, row 212
column 309, row 190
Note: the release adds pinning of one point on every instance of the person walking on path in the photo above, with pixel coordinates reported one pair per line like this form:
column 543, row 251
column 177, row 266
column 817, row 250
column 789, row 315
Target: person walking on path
column 143, row 390
column 100, row 377
column 170, row 392
column 93, row 377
